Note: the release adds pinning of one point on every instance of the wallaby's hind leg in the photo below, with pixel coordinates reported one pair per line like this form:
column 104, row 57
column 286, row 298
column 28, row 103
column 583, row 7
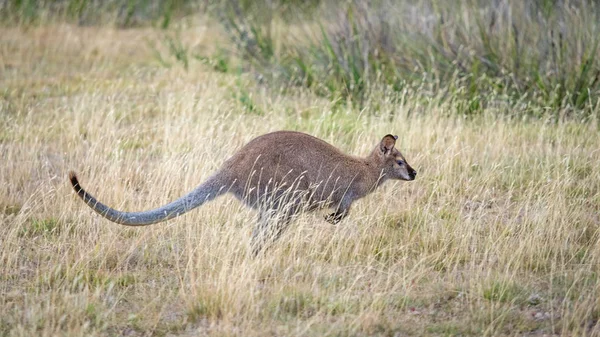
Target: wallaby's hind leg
column 273, row 219
column 269, row 228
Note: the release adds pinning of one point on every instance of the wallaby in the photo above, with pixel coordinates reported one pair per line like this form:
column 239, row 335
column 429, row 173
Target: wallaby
column 280, row 174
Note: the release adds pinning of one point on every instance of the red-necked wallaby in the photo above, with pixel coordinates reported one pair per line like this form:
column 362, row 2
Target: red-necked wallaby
column 280, row 174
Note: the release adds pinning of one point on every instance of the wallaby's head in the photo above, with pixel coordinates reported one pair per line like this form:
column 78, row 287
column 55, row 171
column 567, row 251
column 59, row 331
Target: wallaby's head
column 394, row 163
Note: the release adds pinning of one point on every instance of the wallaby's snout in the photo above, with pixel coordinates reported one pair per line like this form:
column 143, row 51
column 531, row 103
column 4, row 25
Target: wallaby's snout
column 405, row 171
column 411, row 173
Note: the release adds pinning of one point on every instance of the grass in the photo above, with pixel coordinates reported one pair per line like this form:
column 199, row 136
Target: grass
column 484, row 54
column 504, row 210
column 122, row 13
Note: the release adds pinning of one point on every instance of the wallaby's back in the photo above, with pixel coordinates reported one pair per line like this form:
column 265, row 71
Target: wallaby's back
column 287, row 158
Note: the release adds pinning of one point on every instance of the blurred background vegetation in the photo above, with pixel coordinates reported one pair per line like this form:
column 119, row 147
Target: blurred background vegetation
column 516, row 58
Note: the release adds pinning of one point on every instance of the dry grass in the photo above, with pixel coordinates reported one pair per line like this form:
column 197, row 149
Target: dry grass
column 497, row 236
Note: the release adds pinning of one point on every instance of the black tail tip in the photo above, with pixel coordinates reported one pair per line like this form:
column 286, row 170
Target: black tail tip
column 74, row 181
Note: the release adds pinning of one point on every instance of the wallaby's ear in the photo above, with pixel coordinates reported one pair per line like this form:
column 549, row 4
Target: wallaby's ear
column 387, row 143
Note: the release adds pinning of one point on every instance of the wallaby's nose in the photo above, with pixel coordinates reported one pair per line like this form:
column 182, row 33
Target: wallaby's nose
column 412, row 174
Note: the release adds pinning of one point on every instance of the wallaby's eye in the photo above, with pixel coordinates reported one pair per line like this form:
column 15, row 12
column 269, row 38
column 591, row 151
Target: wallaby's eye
column 400, row 162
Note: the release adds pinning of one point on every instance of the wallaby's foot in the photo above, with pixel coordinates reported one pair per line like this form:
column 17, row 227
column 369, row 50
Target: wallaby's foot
column 334, row 218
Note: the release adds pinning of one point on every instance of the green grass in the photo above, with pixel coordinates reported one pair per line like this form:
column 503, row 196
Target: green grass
column 504, row 56
column 42, row 227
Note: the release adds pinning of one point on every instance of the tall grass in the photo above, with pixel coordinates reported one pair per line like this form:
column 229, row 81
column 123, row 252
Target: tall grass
column 536, row 57
column 123, row 13
column 493, row 54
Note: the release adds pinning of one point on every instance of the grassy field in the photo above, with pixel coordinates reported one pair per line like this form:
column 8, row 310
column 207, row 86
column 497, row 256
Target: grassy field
column 498, row 235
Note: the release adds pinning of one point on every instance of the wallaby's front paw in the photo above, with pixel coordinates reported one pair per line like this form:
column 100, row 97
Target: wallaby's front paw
column 333, row 218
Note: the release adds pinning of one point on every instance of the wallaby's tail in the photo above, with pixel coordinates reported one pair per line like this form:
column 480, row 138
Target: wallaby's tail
column 207, row 191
